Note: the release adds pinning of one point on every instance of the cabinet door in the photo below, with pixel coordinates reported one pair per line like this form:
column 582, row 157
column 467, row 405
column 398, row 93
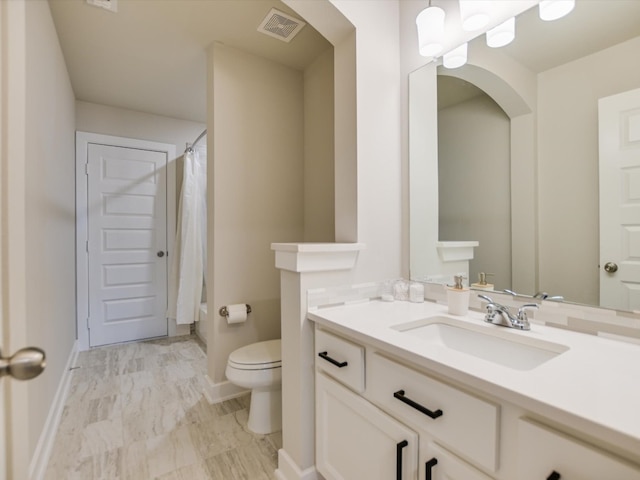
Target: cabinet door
column 544, row 454
column 436, row 463
column 355, row 440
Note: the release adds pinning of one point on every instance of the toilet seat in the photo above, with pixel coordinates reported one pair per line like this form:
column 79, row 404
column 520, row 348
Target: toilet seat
column 257, row 356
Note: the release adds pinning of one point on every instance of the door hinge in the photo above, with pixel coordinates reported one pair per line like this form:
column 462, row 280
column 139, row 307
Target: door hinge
column 88, row 325
column 87, row 246
column 86, row 168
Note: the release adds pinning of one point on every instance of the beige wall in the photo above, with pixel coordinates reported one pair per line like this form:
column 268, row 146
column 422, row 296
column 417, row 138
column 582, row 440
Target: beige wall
column 568, row 166
column 319, row 188
column 475, row 185
column 50, row 210
column 255, row 179
column 121, row 122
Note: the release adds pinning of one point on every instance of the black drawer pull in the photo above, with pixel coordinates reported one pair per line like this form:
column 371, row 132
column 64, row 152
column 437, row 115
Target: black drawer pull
column 428, row 468
column 331, row 360
column 400, row 396
column 554, row 476
column 399, row 447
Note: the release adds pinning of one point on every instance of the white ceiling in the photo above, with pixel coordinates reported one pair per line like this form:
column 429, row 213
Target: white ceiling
column 151, row 56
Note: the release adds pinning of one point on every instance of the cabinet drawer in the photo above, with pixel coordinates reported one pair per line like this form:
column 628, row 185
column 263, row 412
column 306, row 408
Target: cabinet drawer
column 341, row 359
column 465, row 424
column 542, row 451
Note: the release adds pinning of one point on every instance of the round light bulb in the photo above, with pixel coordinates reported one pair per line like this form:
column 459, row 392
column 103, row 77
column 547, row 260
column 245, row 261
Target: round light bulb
column 456, row 57
column 430, row 23
column 474, row 14
column 503, row 34
column 555, row 9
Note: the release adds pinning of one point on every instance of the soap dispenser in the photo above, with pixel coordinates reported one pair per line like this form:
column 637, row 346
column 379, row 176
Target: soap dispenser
column 458, row 297
column 482, row 282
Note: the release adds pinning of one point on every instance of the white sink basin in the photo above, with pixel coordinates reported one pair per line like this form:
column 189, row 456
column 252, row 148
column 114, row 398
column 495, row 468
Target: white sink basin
column 492, row 343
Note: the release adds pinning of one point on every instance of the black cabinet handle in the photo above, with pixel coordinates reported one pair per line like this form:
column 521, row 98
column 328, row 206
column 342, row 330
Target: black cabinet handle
column 400, row 396
column 428, row 468
column 331, row 360
column 554, row 476
column 399, row 447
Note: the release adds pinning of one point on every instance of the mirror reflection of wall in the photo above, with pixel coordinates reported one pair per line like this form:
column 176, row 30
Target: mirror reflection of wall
column 474, row 185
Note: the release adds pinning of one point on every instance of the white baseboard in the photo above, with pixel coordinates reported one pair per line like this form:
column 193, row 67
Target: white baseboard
column 40, row 459
column 219, row 392
column 289, row 470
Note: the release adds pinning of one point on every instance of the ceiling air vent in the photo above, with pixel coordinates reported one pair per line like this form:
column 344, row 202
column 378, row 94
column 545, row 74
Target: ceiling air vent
column 111, row 5
column 280, row 25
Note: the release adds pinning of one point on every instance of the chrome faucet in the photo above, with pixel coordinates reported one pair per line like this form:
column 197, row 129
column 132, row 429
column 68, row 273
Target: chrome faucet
column 546, row 296
column 500, row 315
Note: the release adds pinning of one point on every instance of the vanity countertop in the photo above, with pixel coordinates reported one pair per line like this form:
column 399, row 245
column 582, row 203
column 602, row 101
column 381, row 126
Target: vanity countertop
column 593, row 387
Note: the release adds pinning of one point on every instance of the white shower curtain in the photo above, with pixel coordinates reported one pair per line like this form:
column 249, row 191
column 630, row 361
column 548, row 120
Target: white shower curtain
column 189, row 265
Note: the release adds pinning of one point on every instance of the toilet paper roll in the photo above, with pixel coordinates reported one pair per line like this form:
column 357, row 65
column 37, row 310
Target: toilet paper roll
column 237, row 313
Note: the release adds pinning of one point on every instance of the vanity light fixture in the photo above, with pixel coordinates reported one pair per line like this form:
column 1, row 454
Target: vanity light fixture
column 554, row 9
column 456, row 57
column 474, row 14
column 430, row 23
column 503, row 34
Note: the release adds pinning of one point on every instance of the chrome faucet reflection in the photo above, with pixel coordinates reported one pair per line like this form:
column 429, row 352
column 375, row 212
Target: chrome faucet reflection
column 551, row 298
column 500, row 314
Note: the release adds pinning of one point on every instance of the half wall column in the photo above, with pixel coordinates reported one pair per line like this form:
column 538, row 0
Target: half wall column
column 304, row 266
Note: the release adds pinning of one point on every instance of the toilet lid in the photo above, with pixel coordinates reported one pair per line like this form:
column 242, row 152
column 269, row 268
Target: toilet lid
column 257, row 356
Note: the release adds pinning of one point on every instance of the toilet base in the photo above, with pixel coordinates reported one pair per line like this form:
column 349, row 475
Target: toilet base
column 265, row 410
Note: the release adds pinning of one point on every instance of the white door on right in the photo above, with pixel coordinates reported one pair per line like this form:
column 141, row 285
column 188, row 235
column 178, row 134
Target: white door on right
column 619, row 138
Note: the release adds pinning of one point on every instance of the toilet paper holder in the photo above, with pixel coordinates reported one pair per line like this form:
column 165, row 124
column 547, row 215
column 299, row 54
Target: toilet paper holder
column 224, row 311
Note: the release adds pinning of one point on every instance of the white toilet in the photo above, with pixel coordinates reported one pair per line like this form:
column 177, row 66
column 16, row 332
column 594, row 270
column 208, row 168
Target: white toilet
column 259, row 367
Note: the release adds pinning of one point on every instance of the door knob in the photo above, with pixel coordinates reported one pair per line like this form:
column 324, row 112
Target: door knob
column 160, row 253
column 25, row 364
column 610, row 267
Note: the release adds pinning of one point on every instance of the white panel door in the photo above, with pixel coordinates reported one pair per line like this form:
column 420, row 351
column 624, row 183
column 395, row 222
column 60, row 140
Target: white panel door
column 619, row 136
column 127, row 231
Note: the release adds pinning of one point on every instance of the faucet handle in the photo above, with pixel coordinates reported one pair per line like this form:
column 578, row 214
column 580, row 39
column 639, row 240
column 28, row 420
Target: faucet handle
column 491, row 305
column 522, row 311
column 488, row 299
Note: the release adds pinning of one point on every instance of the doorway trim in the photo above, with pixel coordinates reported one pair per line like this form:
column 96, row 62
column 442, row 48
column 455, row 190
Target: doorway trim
column 83, row 139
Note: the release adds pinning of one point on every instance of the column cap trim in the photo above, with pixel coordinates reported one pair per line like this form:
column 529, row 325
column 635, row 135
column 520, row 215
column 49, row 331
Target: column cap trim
column 316, row 257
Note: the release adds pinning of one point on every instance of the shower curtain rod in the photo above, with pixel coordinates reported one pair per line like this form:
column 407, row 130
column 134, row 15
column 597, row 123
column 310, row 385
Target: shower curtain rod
column 190, row 147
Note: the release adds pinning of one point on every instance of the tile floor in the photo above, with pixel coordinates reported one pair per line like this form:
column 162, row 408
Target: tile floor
column 142, row 411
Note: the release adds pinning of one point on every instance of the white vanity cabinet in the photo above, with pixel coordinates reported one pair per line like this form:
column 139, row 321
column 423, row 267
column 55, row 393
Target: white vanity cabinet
column 545, row 454
column 356, row 439
column 574, row 417
column 381, row 418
